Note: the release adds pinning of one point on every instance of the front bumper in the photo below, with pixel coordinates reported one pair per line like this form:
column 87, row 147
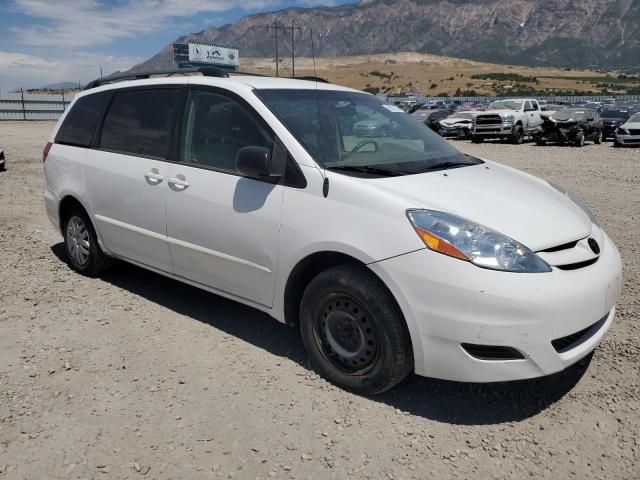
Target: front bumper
column 628, row 140
column 447, row 302
column 498, row 130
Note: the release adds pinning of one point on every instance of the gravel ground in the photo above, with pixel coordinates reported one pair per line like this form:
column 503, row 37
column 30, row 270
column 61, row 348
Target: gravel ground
column 136, row 375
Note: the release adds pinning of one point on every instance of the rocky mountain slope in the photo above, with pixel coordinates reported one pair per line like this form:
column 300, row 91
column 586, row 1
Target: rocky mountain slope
column 572, row 33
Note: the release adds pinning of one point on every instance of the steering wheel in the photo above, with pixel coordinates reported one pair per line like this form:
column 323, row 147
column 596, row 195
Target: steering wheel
column 361, row 144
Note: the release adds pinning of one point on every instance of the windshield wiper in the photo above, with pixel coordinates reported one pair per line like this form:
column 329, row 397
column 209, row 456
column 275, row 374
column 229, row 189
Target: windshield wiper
column 368, row 169
column 447, row 165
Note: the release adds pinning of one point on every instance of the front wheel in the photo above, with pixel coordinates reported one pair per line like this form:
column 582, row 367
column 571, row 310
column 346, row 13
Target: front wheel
column 579, row 141
column 477, row 139
column 353, row 331
column 598, row 139
column 517, row 136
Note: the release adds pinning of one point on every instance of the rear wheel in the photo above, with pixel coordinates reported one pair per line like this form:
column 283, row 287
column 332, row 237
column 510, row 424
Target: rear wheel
column 84, row 254
column 579, row 140
column 517, row 136
column 353, row 331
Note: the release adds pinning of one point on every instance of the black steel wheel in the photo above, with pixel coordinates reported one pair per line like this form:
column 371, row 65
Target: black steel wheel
column 353, row 330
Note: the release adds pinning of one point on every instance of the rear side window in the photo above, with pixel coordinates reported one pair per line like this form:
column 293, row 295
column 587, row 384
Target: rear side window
column 139, row 122
column 80, row 123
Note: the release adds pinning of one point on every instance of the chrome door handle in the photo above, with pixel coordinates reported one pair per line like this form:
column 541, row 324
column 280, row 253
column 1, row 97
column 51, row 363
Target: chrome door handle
column 153, row 178
column 178, row 183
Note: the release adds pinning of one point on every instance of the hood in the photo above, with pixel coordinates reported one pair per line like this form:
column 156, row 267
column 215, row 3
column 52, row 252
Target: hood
column 511, row 202
column 449, row 122
column 631, row 125
column 504, row 111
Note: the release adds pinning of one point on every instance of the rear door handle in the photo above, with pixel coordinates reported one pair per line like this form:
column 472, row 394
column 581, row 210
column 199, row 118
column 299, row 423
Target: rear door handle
column 153, row 177
column 178, row 183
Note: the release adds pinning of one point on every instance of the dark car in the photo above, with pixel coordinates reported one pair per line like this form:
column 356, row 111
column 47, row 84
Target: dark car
column 431, row 117
column 2, row 159
column 612, row 118
column 570, row 126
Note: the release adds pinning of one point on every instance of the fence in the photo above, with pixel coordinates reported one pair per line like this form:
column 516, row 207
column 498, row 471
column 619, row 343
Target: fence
column 32, row 106
column 417, row 97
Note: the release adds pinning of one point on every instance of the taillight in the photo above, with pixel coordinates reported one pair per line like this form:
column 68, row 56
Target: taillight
column 45, row 152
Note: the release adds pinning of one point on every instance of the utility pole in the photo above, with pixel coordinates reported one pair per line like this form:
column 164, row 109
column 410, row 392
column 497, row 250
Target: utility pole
column 275, row 27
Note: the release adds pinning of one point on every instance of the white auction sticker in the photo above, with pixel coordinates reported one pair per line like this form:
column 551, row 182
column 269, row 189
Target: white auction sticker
column 393, row 108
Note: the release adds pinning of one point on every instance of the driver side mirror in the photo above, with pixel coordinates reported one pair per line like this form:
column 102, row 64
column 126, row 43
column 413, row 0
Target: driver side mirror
column 260, row 162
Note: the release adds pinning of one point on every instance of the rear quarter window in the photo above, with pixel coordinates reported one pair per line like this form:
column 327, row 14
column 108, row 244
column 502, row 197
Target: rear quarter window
column 139, row 122
column 79, row 125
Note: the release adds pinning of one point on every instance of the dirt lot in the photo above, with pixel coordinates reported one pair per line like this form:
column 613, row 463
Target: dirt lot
column 135, row 375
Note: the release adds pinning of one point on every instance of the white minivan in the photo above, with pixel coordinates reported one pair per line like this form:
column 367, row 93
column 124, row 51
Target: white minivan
column 391, row 252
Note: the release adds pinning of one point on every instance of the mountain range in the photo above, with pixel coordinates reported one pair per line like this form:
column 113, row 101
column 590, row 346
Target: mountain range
column 564, row 33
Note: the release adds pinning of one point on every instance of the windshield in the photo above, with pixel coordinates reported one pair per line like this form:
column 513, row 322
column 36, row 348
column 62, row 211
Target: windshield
column 614, row 114
column 351, row 130
column 506, row 105
column 635, row 118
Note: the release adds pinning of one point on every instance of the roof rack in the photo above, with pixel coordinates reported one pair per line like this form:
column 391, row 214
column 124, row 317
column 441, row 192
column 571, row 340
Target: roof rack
column 312, row 79
column 206, row 71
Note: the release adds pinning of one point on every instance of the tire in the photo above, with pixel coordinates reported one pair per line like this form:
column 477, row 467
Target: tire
column 81, row 244
column 579, row 140
column 353, row 331
column 477, row 139
column 599, row 138
column 517, row 137
column 539, row 141
column 616, row 144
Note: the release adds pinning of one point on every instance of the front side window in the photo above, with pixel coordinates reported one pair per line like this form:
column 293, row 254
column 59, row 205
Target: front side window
column 139, row 122
column 80, row 123
column 215, row 128
column 357, row 132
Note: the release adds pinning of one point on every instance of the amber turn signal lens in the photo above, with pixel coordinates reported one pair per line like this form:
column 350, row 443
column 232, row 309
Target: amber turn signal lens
column 439, row 245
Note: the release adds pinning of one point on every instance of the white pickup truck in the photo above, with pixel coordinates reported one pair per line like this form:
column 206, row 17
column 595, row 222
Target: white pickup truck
column 507, row 119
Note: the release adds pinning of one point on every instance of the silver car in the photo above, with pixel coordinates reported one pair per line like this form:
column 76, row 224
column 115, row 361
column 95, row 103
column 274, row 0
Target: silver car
column 628, row 134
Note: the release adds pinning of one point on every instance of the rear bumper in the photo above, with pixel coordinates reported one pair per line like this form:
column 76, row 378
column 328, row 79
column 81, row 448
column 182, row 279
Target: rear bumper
column 52, row 205
column 447, row 302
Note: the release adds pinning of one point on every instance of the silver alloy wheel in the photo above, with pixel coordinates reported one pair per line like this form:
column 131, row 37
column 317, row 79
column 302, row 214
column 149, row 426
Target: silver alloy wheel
column 78, row 240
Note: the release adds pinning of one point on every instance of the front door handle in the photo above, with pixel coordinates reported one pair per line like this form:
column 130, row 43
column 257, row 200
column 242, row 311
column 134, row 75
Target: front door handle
column 153, row 177
column 179, row 183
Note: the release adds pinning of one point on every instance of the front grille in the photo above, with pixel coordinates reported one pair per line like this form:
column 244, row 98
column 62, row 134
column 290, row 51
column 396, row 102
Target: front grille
column 577, row 265
column 488, row 119
column 492, row 352
column 559, row 248
column 574, row 340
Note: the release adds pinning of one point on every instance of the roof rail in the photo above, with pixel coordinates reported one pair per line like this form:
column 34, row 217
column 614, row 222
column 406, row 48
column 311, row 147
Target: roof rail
column 206, row 71
column 312, row 79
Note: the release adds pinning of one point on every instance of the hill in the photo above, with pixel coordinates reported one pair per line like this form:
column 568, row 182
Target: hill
column 564, row 33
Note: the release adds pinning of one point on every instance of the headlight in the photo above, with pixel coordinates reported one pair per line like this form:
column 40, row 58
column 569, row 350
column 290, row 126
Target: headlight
column 508, row 119
column 465, row 240
column 622, row 131
column 578, row 201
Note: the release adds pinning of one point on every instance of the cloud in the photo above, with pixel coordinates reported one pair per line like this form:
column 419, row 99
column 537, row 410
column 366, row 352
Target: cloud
column 19, row 69
column 89, row 23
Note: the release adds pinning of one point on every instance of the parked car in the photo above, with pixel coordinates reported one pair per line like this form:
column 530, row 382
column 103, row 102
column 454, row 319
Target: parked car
column 389, row 255
column 571, row 125
column 458, row 125
column 612, row 118
column 3, row 159
column 628, row 134
column 507, row 119
column 431, row 117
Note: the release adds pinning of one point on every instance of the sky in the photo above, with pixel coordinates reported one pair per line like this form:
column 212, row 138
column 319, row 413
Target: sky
column 51, row 41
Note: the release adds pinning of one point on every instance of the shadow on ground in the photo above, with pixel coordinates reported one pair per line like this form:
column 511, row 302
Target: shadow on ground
column 444, row 401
